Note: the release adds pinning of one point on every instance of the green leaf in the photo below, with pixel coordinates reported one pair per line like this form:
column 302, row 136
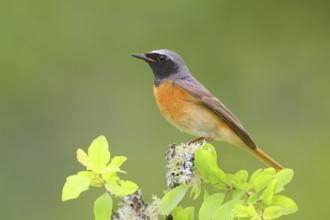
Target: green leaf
column 91, row 176
column 103, row 207
column 110, row 177
column 267, row 195
column 255, row 174
column 210, row 206
column 75, row 185
column 183, row 214
column 209, row 147
column 207, row 166
column 240, row 180
column 111, row 169
column 121, row 188
column 118, row 160
column 241, row 176
column 244, row 187
column 238, row 193
column 88, row 174
column 229, row 179
column 196, row 191
column 98, row 153
column 227, row 210
column 272, row 212
column 206, row 194
column 253, row 213
column 261, row 181
column 188, row 213
column 253, row 198
column 176, row 212
column 283, row 177
column 241, row 211
column 83, row 158
column 288, row 205
column 270, row 171
column 172, row 199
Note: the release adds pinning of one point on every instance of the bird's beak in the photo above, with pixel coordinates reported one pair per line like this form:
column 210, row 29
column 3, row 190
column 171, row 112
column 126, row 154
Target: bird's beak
column 143, row 57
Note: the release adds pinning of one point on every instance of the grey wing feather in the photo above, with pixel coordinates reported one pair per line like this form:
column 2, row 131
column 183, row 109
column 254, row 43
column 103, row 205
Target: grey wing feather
column 194, row 88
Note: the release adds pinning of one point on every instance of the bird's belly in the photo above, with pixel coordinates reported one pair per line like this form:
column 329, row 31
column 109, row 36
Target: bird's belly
column 198, row 120
column 185, row 112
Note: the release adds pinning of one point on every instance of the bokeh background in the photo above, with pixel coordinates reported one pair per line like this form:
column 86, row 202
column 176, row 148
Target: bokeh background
column 66, row 77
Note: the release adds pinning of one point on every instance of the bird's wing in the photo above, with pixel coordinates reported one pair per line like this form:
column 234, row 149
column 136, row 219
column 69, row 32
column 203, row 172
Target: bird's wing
column 197, row 90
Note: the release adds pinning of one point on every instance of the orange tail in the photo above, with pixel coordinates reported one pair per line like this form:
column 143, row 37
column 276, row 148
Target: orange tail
column 261, row 155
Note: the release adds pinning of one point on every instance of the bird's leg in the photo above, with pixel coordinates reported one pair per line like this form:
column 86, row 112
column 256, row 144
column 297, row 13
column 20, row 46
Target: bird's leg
column 209, row 139
column 197, row 140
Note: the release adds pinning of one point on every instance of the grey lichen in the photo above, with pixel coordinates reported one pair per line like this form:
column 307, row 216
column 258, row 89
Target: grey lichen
column 132, row 207
column 180, row 165
column 180, row 170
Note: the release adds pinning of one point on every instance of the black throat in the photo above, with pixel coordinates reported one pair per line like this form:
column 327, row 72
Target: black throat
column 163, row 72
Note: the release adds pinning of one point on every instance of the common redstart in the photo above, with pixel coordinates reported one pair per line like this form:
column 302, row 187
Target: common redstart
column 190, row 107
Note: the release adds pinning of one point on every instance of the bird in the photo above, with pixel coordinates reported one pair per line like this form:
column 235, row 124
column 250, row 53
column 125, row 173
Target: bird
column 190, row 107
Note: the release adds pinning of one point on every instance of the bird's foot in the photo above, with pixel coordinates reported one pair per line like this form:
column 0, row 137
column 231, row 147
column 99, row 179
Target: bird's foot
column 197, row 140
column 209, row 139
column 201, row 139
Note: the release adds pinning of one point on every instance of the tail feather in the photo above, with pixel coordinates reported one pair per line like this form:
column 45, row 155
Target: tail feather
column 261, row 155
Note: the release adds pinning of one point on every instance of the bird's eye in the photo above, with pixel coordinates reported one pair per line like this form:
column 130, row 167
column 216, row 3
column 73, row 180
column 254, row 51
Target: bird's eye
column 161, row 58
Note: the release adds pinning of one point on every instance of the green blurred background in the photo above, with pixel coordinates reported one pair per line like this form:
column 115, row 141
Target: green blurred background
column 66, row 77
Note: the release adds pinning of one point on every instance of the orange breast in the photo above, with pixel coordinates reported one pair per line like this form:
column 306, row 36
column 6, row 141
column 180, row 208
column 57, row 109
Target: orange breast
column 191, row 116
column 172, row 101
column 186, row 112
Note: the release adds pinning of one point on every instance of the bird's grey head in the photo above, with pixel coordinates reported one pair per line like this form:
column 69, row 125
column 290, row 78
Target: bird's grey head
column 165, row 64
